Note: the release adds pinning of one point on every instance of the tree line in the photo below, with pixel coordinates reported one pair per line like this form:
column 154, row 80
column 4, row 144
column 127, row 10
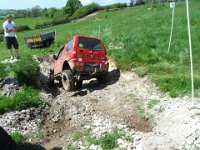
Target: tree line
column 66, row 11
column 72, row 6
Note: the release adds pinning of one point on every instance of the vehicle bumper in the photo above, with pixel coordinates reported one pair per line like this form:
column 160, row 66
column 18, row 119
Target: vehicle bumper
column 87, row 71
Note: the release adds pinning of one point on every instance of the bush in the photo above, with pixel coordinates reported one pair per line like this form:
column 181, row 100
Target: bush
column 23, row 28
column 51, row 23
column 19, row 28
column 85, row 10
column 59, row 21
column 25, row 71
column 114, row 6
column 27, row 98
column 42, row 25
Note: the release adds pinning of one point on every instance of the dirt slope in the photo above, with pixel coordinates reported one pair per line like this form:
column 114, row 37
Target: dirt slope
column 71, row 110
column 173, row 124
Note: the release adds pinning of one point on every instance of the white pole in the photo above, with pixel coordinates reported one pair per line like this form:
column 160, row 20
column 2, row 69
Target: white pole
column 190, row 46
column 172, row 27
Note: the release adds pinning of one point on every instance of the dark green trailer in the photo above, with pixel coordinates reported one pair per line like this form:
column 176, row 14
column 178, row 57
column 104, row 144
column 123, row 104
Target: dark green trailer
column 44, row 39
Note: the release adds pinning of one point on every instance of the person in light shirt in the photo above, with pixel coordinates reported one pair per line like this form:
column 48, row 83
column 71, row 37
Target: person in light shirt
column 10, row 36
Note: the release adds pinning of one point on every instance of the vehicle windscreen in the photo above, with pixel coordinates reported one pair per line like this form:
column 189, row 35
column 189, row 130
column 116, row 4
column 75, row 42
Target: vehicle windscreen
column 89, row 43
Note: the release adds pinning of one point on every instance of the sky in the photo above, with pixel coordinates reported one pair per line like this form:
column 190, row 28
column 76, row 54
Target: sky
column 23, row 4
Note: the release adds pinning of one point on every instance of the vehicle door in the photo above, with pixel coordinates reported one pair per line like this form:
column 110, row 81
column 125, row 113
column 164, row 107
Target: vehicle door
column 90, row 49
column 68, row 48
column 59, row 63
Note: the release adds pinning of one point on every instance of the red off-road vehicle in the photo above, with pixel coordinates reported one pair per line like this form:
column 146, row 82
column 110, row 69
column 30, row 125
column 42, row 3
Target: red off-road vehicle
column 81, row 58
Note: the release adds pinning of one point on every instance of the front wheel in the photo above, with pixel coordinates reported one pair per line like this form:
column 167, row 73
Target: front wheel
column 68, row 80
column 51, row 77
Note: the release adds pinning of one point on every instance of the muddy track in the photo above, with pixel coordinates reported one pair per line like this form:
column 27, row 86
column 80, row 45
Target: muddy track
column 72, row 110
column 174, row 124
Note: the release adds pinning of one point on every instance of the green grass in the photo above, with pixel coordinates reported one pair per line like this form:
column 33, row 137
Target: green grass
column 18, row 137
column 25, row 71
column 71, row 147
column 31, row 22
column 109, row 141
column 144, row 34
column 24, row 99
column 141, row 110
column 153, row 103
column 78, row 134
column 23, row 140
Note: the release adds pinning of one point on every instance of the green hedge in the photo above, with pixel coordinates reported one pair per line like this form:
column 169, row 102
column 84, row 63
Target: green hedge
column 19, row 28
column 85, row 10
column 23, row 28
column 113, row 6
column 51, row 23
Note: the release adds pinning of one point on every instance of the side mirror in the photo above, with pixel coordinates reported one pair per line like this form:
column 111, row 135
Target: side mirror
column 55, row 57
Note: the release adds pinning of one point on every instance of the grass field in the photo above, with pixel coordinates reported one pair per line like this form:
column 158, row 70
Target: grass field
column 139, row 38
column 31, row 22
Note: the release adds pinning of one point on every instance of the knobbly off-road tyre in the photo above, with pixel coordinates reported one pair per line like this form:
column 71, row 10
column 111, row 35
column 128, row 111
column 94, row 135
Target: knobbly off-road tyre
column 68, row 80
column 51, row 78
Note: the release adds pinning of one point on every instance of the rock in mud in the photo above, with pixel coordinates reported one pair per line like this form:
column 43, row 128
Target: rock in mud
column 9, row 86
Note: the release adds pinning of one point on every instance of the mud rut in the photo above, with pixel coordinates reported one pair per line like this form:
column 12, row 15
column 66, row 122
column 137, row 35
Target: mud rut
column 69, row 111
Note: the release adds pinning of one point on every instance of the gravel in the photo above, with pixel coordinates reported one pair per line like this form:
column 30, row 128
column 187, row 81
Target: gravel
column 175, row 126
column 175, row 121
column 23, row 121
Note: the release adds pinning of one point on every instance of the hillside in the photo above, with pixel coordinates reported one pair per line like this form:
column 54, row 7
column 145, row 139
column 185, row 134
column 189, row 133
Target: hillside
column 138, row 40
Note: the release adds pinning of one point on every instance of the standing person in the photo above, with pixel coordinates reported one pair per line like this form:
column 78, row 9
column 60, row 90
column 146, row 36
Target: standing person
column 10, row 36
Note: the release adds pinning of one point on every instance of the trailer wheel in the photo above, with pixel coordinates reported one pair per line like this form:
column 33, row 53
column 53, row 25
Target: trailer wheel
column 68, row 80
column 47, row 43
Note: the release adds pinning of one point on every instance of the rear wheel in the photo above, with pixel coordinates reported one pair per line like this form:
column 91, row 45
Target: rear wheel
column 68, row 80
column 103, row 78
